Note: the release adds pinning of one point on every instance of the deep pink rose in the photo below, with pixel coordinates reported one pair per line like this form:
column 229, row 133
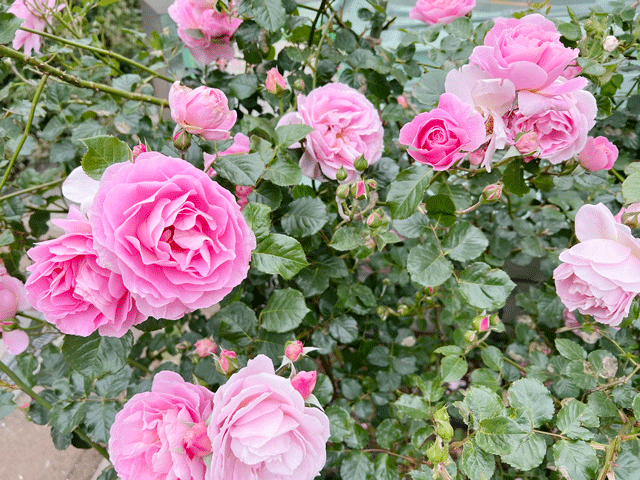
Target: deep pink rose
column 203, row 111
column 204, row 30
column 73, row 290
column 599, row 275
column 527, row 51
column 159, row 435
column 304, row 383
column 444, row 135
column 346, row 127
column 240, row 146
column 37, row 14
column 598, row 154
column 261, row 430
column 177, row 238
column 441, row 11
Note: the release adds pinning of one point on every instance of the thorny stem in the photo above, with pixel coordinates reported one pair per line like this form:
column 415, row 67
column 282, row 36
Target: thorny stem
column 31, row 189
column 315, row 22
column 612, row 451
column 617, row 175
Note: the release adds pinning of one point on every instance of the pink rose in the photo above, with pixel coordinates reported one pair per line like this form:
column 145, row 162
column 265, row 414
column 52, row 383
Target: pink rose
column 203, row 111
column 13, row 297
column 304, row 383
column 599, row 275
column 204, row 30
column 37, row 14
column 227, row 362
column 598, row 154
column 275, row 83
column 159, row 435
column 261, row 430
column 527, row 51
column 240, row 146
column 177, row 238
column 444, row 135
column 293, row 350
column 205, row 347
column 441, row 11
column 73, row 290
column 346, row 126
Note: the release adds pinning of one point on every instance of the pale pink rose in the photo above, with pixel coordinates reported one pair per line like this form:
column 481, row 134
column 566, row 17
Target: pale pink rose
column 15, row 341
column 37, row 14
column 13, row 297
column 177, row 238
column 599, row 276
column 561, row 133
column 346, row 126
column 610, row 43
column 275, row 82
column 527, row 51
column 241, row 145
column 598, row 154
column 293, row 350
column 527, row 144
column 205, row 347
column 158, row 435
column 204, row 30
column 203, row 111
column 261, row 430
column 444, row 135
column 304, row 383
column 73, row 290
column 441, row 11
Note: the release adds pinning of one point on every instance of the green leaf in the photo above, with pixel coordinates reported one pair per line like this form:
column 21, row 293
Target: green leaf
column 283, row 172
column 95, row 355
column 346, row 238
column 386, row 468
column 529, row 454
column 631, row 188
column 64, row 417
column 244, row 85
column 453, row 368
column 513, row 178
column 475, row 463
column 465, row 242
column 99, row 418
column 313, row 280
column 627, row 463
column 492, row 358
column 113, row 385
column 406, row 191
column 357, row 466
column 441, row 209
column 9, row 25
column 413, row 406
column 344, row 329
column 6, row 238
column 575, row 460
column 570, row 31
column 429, row 88
column 485, row 288
column 284, row 311
column 570, row 349
column 483, row 403
column 427, row 265
column 290, row 134
column 257, row 216
column 388, row 432
column 269, row 14
column 534, row 398
column 279, row 254
column 6, row 404
column 239, row 323
column 571, row 418
column 103, row 151
column 499, row 435
column 356, row 297
column 240, row 169
column 340, row 423
column 603, row 406
column 306, row 216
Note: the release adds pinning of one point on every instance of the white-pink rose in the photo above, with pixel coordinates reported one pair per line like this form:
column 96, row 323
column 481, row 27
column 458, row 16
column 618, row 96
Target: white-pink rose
column 346, row 127
column 160, row 435
column 203, row 111
column 73, row 290
column 36, row 15
column 261, row 429
column 599, row 276
column 598, row 154
column 441, row 11
column 177, row 238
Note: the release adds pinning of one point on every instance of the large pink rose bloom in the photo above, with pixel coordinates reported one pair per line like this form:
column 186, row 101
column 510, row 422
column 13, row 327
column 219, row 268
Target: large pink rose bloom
column 527, row 51
column 204, row 30
column 73, row 290
column 444, row 135
column 177, row 238
column 158, row 435
column 346, row 127
column 36, row 15
column 441, row 11
column 600, row 275
column 203, row 111
column 261, row 430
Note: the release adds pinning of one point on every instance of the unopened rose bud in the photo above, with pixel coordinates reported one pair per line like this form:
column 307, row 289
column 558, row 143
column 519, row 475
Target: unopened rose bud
column 196, row 442
column 371, row 184
column 182, row 140
column 361, row 164
column 383, row 312
column 227, row 363
column 299, row 84
column 441, row 415
column 222, row 64
column 528, row 143
column 437, row 452
column 137, row 150
column 341, row 174
column 403, row 309
column 205, row 347
column 444, row 430
column 481, row 323
column 495, row 320
column 610, row 43
column 304, row 383
column 492, row 193
column 402, row 101
column 374, row 220
column 631, row 219
column 275, row 83
column 469, row 336
column 359, row 190
column 342, row 191
column 293, row 350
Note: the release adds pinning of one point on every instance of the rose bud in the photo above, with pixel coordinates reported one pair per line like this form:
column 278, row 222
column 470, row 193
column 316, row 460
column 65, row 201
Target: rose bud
column 196, row 442
column 610, row 43
column 293, row 350
column 275, row 83
column 226, row 364
column 491, row 193
column 205, row 347
column 137, row 150
column 304, row 383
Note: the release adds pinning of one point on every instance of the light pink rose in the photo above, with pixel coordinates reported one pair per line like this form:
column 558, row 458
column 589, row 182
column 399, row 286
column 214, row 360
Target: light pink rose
column 203, row 111
column 37, row 14
column 527, row 51
column 13, row 297
column 73, row 290
column 261, row 430
column 205, row 347
column 177, row 238
column 15, row 341
column 346, row 126
column 598, row 154
column 158, row 435
column 441, row 11
column 275, row 83
column 240, row 146
column 599, row 275
column 444, row 135
column 293, row 350
column 205, row 31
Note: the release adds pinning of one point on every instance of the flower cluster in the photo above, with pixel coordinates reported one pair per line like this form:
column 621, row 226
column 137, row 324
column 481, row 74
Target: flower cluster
column 255, row 426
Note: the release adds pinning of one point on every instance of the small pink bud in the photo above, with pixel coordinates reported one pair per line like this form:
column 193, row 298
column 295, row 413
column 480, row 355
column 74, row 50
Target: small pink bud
column 275, row 83
column 226, row 364
column 361, row 190
column 618, row 216
column 569, row 319
column 610, row 43
column 182, row 140
column 304, row 383
column 137, row 150
column 402, row 101
column 243, row 191
column 205, row 347
column 492, row 193
column 222, row 64
column 374, row 220
column 293, row 350
column 477, row 157
column 431, row 290
column 371, row 184
column 528, row 143
column 299, row 84
column 484, row 325
column 196, row 442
